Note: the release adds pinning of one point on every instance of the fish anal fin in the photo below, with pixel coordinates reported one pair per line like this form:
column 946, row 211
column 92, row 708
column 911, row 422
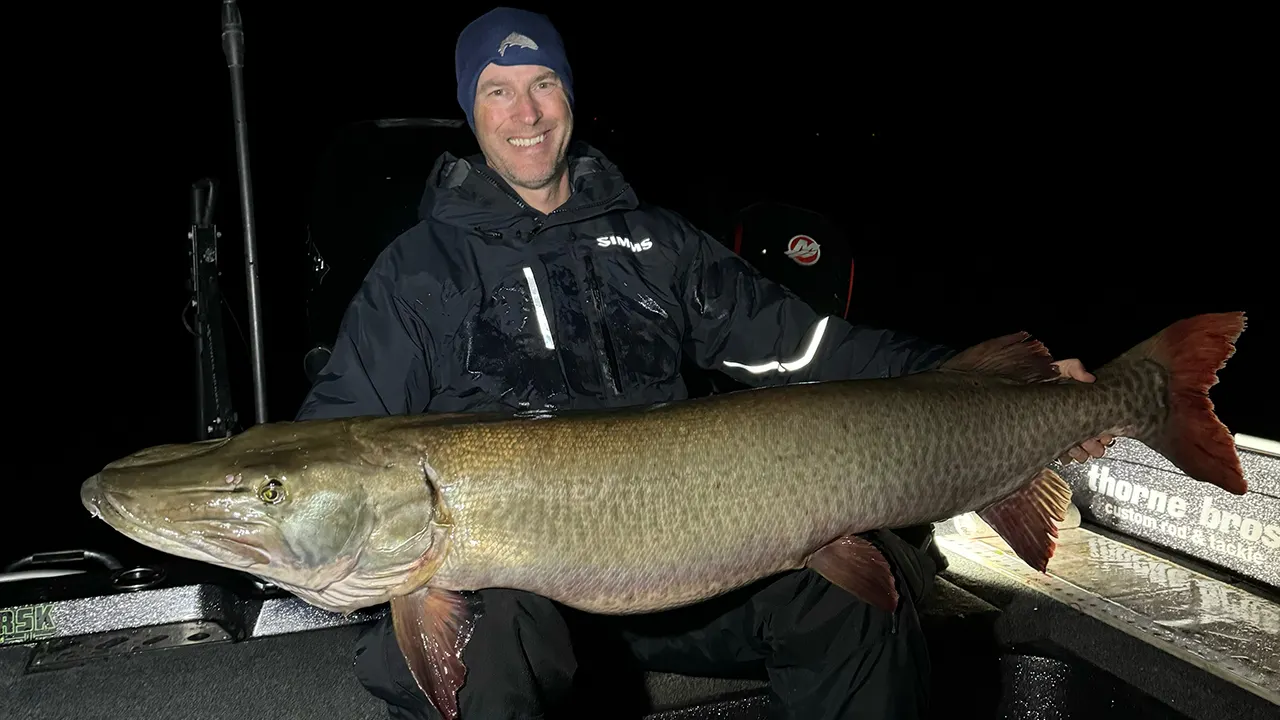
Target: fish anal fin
column 858, row 567
column 432, row 628
column 1028, row 519
column 1016, row 357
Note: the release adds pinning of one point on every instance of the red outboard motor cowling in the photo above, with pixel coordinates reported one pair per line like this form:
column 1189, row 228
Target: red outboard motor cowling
column 799, row 249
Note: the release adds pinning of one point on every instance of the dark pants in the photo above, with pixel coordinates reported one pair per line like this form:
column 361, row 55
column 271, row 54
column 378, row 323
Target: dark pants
column 826, row 654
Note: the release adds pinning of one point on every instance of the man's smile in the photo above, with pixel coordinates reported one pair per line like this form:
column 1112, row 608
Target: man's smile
column 527, row 142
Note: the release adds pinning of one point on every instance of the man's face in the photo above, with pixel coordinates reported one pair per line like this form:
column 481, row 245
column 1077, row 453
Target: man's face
column 523, row 123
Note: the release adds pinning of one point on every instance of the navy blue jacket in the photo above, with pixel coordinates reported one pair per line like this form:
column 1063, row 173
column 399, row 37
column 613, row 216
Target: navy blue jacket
column 489, row 305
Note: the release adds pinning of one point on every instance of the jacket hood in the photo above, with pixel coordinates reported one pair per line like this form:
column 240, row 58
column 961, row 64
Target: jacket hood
column 467, row 193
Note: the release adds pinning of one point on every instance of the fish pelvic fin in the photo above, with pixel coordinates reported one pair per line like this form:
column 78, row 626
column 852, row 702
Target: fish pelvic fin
column 1191, row 352
column 857, row 566
column 432, row 628
column 1028, row 519
column 1015, row 357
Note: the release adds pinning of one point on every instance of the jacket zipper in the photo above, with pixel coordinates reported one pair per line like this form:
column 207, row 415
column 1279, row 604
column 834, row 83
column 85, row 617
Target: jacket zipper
column 598, row 203
column 604, row 340
column 601, row 334
column 514, row 197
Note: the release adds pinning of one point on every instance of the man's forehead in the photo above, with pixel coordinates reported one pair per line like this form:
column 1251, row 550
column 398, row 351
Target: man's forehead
column 495, row 73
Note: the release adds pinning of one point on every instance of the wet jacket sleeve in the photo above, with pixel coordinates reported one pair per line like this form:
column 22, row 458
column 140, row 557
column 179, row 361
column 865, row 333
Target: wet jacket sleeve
column 378, row 365
column 759, row 333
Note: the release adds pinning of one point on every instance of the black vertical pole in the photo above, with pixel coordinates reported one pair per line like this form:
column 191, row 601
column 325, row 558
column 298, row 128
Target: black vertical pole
column 233, row 48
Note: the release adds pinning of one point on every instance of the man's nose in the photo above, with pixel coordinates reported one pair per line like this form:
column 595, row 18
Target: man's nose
column 527, row 110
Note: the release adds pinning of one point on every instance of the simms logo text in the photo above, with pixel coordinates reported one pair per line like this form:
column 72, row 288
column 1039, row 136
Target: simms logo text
column 608, row 240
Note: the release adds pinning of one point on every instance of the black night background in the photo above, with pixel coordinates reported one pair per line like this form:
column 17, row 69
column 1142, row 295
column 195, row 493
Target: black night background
column 1089, row 179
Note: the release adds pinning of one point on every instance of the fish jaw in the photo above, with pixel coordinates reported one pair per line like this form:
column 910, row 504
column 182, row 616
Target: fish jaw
column 111, row 508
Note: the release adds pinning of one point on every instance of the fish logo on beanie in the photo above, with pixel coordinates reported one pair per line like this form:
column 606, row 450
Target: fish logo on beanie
column 517, row 40
column 507, row 36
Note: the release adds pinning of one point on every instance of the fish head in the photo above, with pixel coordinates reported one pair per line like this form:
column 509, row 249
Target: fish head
column 303, row 505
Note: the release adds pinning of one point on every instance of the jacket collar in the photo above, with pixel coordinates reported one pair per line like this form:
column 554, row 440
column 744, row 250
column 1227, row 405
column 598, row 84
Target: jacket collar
column 467, row 193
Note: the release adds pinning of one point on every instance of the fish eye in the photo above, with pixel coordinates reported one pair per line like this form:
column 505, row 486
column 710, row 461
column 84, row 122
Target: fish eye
column 272, row 492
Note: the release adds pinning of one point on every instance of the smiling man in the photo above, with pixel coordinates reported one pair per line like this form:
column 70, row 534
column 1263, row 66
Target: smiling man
column 518, row 99
column 537, row 281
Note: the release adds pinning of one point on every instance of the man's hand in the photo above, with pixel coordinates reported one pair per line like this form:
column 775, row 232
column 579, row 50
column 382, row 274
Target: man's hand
column 1074, row 369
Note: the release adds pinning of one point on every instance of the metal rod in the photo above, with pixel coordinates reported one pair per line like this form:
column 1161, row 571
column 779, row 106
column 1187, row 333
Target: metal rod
column 233, row 48
column 198, row 190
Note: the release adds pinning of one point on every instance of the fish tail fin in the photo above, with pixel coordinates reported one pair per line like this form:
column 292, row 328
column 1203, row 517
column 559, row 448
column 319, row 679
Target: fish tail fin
column 1189, row 433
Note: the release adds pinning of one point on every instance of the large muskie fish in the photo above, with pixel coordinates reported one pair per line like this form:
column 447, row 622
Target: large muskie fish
column 643, row 509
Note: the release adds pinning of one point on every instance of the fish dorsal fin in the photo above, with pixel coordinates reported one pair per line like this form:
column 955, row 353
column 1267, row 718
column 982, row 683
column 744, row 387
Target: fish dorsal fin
column 432, row 628
column 1028, row 519
column 1015, row 356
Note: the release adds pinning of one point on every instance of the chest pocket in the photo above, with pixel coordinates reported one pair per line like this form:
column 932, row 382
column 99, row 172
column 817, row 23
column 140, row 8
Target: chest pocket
column 505, row 353
column 632, row 298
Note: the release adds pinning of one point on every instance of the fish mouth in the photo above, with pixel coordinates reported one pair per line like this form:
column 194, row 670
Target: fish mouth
column 215, row 548
column 90, row 492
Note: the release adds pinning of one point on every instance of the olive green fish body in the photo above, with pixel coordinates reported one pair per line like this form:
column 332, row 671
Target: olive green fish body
column 649, row 509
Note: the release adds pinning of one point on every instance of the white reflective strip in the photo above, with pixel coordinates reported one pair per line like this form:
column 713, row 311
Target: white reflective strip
column 537, row 308
column 815, row 339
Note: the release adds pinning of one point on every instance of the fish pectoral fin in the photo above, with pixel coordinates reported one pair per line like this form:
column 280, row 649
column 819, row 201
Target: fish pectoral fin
column 858, row 567
column 432, row 629
column 1028, row 519
column 1016, row 357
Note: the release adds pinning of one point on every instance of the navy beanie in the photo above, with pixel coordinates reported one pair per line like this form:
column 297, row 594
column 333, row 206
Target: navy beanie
column 507, row 36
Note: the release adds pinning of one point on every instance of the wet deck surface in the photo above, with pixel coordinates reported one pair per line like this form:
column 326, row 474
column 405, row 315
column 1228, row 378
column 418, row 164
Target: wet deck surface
column 1224, row 628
